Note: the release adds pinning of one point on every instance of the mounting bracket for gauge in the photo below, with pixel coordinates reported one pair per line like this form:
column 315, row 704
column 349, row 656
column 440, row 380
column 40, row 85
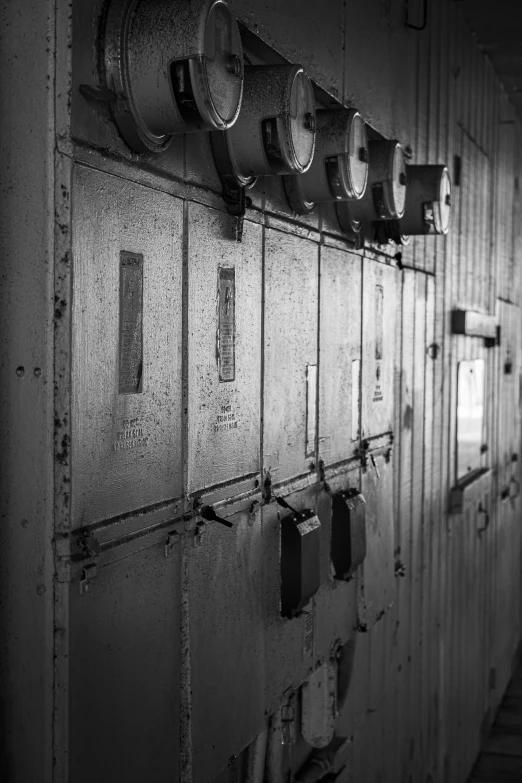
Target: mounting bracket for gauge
column 349, row 225
column 339, row 169
column 428, row 200
column 385, row 231
column 175, row 66
column 275, row 131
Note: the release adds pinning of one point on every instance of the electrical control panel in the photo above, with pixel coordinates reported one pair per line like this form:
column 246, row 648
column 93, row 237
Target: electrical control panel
column 127, row 346
column 300, row 560
column 428, row 200
column 348, row 546
column 275, row 131
column 172, row 67
column 385, row 194
column 339, row 169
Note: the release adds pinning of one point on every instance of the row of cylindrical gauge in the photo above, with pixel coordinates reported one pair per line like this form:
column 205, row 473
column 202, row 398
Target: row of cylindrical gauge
column 177, row 66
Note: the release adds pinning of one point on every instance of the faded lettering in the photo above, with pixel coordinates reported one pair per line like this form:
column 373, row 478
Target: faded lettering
column 226, row 419
column 131, row 436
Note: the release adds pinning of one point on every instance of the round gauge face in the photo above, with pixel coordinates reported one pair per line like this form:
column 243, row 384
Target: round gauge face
column 302, row 120
column 443, row 208
column 399, row 180
column 223, row 62
column 358, row 155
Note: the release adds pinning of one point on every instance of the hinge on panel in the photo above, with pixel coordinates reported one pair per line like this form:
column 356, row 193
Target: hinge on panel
column 171, row 543
column 88, row 574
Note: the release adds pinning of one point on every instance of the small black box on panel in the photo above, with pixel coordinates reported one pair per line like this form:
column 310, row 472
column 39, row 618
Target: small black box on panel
column 348, row 547
column 300, row 560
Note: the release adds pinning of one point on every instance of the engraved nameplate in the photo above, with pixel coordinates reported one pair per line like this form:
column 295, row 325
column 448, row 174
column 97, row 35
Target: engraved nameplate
column 227, row 325
column 131, row 323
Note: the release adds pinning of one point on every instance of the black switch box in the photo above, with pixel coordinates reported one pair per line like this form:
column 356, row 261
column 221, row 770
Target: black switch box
column 300, row 560
column 348, row 547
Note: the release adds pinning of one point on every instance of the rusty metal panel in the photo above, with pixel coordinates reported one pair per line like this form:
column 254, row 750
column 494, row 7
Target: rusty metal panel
column 126, row 368
column 340, row 350
column 290, row 354
column 124, row 654
column 378, row 359
column 226, row 642
column 224, row 349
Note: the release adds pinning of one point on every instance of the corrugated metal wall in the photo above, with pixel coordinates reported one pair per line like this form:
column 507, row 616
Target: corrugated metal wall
column 170, row 652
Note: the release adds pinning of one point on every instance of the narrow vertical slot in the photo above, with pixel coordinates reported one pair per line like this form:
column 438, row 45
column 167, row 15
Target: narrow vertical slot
column 130, row 376
column 311, row 400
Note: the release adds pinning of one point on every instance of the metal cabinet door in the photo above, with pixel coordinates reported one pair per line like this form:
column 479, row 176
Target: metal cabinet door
column 290, row 352
column 124, row 669
column 380, row 306
column 127, row 257
column 376, row 575
column 340, row 341
column 226, row 642
column 224, row 349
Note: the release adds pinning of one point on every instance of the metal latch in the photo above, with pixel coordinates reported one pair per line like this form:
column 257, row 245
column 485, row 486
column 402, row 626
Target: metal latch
column 89, row 573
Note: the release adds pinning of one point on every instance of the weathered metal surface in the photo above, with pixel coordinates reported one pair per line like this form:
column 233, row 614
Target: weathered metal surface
column 126, row 448
column 340, row 373
column 291, row 297
column 427, row 672
column 319, row 705
column 27, row 385
column 378, row 348
column 224, row 349
column 124, row 669
column 226, row 642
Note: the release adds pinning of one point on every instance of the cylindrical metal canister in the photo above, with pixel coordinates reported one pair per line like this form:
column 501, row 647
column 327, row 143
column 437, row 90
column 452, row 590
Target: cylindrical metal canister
column 428, row 200
column 175, row 67
column 275, row 131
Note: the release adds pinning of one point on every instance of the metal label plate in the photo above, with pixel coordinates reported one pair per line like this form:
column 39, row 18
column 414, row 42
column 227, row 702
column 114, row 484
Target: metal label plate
column 131, row 323
column 227, row 324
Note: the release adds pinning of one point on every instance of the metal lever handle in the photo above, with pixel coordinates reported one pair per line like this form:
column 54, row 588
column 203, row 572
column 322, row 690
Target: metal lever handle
column 282, row 502
column 208, row 513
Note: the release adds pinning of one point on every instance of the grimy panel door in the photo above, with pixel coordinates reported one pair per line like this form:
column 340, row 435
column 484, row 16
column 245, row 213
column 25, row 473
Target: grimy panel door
column 380, row 306
column 340, row 341
column 126, row 368
column 290, row 369
column 124, row 654
column 224, row 349
column 226, row 642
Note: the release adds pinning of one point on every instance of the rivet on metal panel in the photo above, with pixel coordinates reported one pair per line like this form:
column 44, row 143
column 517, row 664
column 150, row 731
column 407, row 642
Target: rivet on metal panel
column 172, row 540
column 89, row 573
